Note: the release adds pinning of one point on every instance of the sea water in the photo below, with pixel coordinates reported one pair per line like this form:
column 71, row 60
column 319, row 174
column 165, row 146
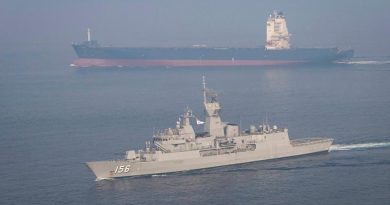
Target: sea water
column 54, row 118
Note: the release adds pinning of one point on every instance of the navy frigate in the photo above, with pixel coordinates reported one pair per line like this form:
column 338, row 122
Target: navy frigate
column 220, row 144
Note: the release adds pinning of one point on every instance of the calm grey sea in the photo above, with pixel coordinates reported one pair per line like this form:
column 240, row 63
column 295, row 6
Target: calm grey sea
column 53, row 118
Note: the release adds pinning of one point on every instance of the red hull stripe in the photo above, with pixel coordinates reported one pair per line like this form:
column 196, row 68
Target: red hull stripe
column 85, row 62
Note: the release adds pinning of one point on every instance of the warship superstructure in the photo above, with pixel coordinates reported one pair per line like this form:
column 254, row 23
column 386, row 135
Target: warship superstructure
column 181, row 149
column 277, row 51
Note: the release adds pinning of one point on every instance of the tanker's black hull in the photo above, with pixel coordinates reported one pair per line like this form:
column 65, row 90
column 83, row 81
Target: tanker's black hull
column 90, row 54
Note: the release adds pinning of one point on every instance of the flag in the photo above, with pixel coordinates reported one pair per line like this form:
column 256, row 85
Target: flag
column 198, row 122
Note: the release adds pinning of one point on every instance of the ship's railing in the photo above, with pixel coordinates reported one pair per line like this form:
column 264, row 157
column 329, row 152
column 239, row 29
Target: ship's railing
column 160, row 146
column 184, row 149
column 261, row 132
column 251, row 142
column 306, row 141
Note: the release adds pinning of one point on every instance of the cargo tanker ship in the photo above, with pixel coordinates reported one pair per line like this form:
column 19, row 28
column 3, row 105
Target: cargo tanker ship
column 277, row 51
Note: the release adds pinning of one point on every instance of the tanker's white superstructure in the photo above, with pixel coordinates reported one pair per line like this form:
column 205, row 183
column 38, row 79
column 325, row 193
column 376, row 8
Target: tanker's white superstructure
column 181, row 149
column 278, row 37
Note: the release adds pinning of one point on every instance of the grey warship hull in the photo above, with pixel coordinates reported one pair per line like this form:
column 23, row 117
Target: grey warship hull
column 221, row 144
column 263, row 151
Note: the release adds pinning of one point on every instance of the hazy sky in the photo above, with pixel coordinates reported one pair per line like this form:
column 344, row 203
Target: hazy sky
column 362, row 25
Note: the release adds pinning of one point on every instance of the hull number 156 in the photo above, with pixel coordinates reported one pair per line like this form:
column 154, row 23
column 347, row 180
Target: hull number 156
column 122, row 169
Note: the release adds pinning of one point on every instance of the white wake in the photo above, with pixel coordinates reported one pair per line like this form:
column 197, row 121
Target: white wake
column 100, row 179
column 367, row 62
column 159, row 175
column 345, row 147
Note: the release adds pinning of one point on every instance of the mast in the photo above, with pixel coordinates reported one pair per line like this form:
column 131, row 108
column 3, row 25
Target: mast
column 89, row 35
column 213, row 124
column 204, row 89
